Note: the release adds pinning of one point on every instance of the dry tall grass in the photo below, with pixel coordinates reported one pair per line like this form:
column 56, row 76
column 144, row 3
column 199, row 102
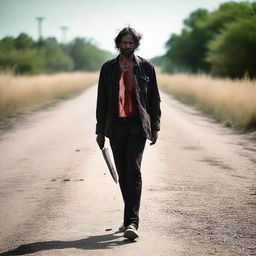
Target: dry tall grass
column 20, row 93
column 233, row 102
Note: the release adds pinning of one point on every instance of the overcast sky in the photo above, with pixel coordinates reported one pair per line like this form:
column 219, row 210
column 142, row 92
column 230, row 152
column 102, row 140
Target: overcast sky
column 101, row 19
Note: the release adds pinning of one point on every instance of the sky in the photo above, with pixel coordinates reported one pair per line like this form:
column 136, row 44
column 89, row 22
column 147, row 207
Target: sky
column 101, row 20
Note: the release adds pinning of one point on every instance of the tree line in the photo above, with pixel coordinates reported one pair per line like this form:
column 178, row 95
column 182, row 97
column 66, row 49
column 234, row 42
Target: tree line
column 221, row 42
column 23, row 55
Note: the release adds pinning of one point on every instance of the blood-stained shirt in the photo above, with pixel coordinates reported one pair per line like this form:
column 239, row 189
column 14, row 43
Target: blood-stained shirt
column 126, row 105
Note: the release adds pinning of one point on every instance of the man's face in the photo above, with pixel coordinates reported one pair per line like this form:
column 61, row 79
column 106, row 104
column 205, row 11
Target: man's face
column 127, row 45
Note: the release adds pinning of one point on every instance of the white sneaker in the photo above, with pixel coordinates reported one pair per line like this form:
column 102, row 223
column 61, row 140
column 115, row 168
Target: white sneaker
column 131, row 232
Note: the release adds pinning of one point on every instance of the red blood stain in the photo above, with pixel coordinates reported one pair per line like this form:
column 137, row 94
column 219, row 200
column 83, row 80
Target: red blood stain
column 126, row 102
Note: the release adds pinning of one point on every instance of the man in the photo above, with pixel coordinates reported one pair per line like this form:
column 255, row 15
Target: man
column 128, row 113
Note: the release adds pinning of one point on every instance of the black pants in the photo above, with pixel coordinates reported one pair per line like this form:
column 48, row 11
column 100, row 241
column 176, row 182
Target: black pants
column 127, row 146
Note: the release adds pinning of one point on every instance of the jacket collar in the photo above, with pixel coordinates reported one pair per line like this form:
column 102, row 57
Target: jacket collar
column 136, row 59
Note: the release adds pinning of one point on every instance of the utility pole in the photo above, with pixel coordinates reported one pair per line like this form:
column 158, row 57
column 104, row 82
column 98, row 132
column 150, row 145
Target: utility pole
column 64, row 30
column 40, row 20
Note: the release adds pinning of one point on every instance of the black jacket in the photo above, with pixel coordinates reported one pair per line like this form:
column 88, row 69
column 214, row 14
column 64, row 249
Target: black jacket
column 146, row 95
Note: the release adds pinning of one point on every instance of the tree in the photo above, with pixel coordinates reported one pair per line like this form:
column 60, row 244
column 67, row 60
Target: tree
column 23, row 41
column 189, row 50
column 232, row 52
column 19, row 55
column 25, row 56
column 55, row 57
column 7, row 43
column 186, row 51
column 86, row 55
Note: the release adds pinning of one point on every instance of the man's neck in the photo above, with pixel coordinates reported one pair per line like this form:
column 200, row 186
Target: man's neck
column 125, row 59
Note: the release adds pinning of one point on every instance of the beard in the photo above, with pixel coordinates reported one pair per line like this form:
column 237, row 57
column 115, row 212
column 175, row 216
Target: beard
column 127, row 52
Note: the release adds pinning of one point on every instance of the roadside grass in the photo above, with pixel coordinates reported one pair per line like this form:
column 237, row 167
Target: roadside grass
column 22, row 93
column 232, row 102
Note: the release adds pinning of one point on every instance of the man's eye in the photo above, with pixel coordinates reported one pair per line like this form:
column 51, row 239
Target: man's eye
column 127, row 43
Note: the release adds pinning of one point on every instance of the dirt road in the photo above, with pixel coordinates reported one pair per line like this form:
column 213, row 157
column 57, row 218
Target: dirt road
column 57, row 198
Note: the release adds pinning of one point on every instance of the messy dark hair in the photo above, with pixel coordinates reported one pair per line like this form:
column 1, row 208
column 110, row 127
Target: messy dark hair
column 128, row 31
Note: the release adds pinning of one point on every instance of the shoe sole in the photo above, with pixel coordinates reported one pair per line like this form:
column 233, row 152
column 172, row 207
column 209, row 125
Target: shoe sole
column 131, row 234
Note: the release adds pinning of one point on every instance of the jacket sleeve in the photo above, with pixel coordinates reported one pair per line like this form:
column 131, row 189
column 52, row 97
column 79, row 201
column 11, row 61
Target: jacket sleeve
column 102, row 102
column 154, row 101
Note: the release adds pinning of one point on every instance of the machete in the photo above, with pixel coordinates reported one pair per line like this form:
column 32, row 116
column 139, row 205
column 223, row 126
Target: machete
column 109, row 163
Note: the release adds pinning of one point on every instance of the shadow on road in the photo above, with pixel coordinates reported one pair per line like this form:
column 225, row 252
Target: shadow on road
column 91, row 243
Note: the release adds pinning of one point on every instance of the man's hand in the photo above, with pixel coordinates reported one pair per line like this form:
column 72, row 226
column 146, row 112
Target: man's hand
column 154, row 137
column 100, row 140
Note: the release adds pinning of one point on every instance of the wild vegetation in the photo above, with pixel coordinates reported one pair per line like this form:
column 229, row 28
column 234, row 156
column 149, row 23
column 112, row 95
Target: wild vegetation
column 231, row 102
column 23, row 55
column 22, row 93
column 220, row 42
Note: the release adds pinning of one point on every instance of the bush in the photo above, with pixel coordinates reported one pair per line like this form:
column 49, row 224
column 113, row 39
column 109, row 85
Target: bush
column 28, row 61
column 25, row 56
column 200, row 42
column 232, row 52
